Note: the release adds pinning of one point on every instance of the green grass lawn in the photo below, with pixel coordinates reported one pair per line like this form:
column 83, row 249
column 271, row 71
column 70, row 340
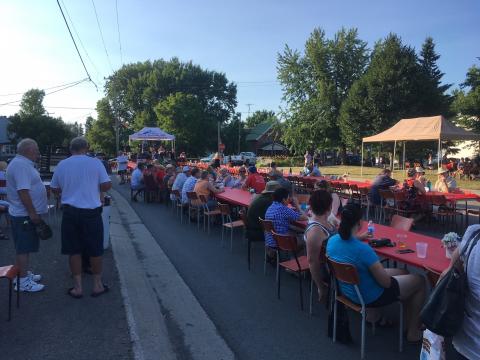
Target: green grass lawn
column 370, row 173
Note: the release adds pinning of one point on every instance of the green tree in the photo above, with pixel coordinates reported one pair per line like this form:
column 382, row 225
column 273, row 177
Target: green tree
column 32, row 103
column 136, row 89
column 184, row 115
column 31, row 121
column 260, row 116
column 435, row 99
column 466, row 102
column 316, row 84
column 390, row 90
column 101, row 132
column 88, row 124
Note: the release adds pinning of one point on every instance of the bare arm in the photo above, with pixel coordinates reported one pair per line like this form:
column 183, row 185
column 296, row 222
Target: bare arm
column 314, row 240
column 380, row 275
column 303, row 214
column 104, row 187
column 455, row 256
column 214, row 189
column 27, row 202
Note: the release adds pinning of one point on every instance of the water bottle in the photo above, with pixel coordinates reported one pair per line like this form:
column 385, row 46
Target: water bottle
column 371, row 228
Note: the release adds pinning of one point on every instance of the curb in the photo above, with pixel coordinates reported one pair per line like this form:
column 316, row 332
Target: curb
column 165, row 319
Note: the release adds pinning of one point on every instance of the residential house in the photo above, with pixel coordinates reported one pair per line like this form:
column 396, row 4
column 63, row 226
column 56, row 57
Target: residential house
column 261, row 140
column 7, row 149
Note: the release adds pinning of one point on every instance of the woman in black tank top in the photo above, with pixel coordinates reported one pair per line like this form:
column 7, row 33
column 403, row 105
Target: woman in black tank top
column 316, row 235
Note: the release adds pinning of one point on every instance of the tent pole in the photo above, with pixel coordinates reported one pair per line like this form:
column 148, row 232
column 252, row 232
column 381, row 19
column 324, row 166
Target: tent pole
column 404, row 155
column 439, row 156
column 393, row 160
column 361, row 164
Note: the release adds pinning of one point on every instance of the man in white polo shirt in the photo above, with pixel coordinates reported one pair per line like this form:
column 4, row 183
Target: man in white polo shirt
column 81, row 180
column 28, row 201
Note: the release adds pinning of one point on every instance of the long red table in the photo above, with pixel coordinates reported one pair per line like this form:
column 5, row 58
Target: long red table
column 436, row 259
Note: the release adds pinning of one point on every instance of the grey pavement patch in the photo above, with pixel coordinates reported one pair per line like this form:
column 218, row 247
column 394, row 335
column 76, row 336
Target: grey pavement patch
column 162, row 305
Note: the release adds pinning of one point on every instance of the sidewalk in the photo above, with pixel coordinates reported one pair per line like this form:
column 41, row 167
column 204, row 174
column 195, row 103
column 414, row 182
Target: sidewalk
column 52, row 325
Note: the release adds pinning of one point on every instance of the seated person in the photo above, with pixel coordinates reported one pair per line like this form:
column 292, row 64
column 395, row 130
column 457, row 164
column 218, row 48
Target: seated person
column 282, row 181
column 445, row 182
column 273, row 170
column 318, row 231
column 240, row 180
column 257, row 209
column 189, row 184
column 224, row 179
column 282, row 215
column 254, row 180
column 336, row 202
column 378, row 286
column 136, row 182
column 205, row 187
column 420, row 176
column 382, row 181
column 313, row 170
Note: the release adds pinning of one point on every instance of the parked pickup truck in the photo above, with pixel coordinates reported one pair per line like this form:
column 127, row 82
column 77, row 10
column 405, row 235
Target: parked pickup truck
column 242, row 157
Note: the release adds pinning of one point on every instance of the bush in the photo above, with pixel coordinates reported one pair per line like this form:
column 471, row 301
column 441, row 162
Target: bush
column 281, row 161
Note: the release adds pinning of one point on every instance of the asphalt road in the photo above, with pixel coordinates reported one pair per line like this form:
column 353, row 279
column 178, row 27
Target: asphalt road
column 243, row 305
column 51, row 325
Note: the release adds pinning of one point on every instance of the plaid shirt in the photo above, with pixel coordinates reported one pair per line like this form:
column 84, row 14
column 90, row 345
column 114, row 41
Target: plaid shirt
column 281, row 216
column 188, row 186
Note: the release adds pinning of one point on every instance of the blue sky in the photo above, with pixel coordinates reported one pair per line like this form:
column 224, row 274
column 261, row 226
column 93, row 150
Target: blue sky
column 240, row 38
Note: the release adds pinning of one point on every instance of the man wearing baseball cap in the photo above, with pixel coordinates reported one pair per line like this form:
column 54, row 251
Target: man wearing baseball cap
column 257, row 209
column 254, row 180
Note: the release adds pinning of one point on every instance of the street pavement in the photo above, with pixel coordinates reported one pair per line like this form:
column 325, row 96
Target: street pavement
column 243, row 305
column 50, row 325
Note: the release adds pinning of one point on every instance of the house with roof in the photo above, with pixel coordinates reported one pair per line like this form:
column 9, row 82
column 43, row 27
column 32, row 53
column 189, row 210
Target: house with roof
column 7, row 149
column 262, row 140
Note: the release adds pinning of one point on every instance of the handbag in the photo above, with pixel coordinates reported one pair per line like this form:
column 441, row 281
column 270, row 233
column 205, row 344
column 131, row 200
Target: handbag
column 444, row 311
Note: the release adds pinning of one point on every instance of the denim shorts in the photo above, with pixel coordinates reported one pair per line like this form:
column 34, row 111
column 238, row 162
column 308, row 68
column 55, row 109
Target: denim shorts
column 24, row 235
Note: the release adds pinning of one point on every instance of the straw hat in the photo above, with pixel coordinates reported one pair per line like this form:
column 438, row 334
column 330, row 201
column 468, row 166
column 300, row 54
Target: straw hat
column 271, row 186
column 442, row 171
column 420, row 170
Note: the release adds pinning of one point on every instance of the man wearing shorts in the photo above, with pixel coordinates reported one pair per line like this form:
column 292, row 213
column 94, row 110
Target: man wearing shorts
column 81, row 180
column 28, row 201
column 122, row 162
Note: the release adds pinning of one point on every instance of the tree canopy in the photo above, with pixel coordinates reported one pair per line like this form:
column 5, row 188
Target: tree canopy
column 259, row 117
column 467, row 101
column 316, row 83
column 31, row 121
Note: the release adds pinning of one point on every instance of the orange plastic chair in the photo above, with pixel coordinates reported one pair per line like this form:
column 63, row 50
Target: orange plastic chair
column 207, row 213
column 299, row 264
column 11, row 272
column 267, row 226
column 401, row 223
column 347, row 273
column 228, row 223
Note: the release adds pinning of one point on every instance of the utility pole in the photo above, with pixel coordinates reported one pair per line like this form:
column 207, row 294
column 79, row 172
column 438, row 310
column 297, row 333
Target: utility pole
column 218, row 137
column 239, row 131
column 117, row 135
column 249, row 105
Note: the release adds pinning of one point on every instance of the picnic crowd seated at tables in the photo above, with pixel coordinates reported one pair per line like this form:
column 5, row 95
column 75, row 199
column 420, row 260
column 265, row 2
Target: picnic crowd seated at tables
column 254, row 181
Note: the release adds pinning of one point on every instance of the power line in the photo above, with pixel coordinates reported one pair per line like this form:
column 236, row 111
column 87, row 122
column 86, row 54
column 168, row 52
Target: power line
column 49, row 88
column 61, row 107
column 101, row 35
column 118, row 30
column 80, row 40
column 76, row 47
column 51, row 92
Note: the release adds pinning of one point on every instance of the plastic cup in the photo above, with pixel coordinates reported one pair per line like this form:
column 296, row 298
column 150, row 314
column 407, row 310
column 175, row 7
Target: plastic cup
column 401, row 238
column 422, row 250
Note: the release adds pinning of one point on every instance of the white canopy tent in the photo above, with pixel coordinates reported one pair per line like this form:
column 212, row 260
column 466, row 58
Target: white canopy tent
column 152, row 134
column 434, row 128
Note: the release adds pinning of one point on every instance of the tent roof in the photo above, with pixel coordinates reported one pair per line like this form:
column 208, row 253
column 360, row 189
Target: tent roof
column 276, row 147
column 423, row 128
column 151, row 133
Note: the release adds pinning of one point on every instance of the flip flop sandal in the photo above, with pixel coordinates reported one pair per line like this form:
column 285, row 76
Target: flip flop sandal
column 106, row 289
column 69, row 293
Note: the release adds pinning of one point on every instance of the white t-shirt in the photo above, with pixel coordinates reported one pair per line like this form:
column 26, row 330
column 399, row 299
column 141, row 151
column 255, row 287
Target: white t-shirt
column 79, row 177
column 22, row 175
column 122, row 162
column 467, row 341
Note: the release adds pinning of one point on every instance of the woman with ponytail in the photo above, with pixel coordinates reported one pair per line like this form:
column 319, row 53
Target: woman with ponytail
column 379, row 286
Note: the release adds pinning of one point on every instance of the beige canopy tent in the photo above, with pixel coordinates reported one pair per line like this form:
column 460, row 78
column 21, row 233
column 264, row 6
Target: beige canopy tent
column 435, row 128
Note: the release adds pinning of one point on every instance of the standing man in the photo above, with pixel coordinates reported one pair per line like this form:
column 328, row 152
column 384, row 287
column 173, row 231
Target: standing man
column 122, row 163
column 81, row 180
column 28, row 201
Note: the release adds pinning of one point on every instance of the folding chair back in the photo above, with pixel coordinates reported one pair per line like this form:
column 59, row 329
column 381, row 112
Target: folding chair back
column 286, row 242
column 267, row 225
column 344, row 272
column 401, row 223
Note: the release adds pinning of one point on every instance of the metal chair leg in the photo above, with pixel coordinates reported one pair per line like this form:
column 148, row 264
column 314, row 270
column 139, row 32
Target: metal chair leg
column 278, row 284
column 335, row 305
column 231, row 239
column 362, row 349
column 301, row 290
column 311, row 296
